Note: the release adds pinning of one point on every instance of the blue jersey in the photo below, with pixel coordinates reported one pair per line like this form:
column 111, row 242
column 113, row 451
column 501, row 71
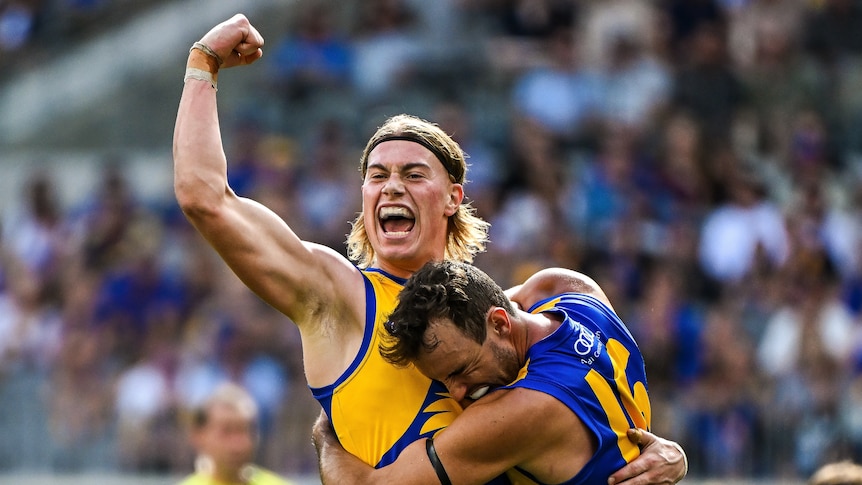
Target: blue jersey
column 592, row 364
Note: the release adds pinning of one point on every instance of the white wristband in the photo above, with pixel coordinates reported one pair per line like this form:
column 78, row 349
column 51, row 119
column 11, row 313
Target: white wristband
column 200, row 75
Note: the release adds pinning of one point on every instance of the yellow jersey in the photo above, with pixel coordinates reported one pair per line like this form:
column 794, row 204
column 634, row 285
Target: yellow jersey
column 376, row 408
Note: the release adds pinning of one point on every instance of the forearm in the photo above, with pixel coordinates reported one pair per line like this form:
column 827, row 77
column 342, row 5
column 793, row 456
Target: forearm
column 336, row 466
column 200, row 166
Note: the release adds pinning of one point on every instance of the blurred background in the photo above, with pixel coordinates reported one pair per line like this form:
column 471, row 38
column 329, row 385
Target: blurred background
column 701, row 159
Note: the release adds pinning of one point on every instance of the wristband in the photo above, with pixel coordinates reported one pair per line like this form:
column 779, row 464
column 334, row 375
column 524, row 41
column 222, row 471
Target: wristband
column 200, row 75
column 206, row 50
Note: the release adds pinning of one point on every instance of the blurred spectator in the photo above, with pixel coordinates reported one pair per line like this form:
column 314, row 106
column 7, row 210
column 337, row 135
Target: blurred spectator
column 723, row 406
column 35, row 234
column 637, row 84
column 148, row 420
column 686, row 18
column 684, row 192
column 609, row 188
column 705, row 85
column 106, row 219
column 30, row 329
column 804, row 350
column 743, row 231
column 604, row 23
column 224, row 433
column 486, row 171
column 562, row 95
column 812, row 319
column 668, row 325
column 80, row 406
column 387, row 47
column 323, row 194
column 138, row 297
column 521, row 227
column 314, row 56
column 755, row 23
column 820, row 226
column 781, row 81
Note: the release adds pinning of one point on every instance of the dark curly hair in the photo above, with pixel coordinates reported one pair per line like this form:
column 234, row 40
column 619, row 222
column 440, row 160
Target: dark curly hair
column 450, row 290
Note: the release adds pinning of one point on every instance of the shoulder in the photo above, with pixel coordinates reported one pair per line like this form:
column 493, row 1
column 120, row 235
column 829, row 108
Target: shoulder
column 551, row 282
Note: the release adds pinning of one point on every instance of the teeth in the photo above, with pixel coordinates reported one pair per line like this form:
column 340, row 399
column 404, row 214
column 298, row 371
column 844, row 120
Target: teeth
column 393, row 211
column 479, row 392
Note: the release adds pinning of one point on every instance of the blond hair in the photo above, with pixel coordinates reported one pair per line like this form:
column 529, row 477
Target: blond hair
column 226, row 394
column 467, row 233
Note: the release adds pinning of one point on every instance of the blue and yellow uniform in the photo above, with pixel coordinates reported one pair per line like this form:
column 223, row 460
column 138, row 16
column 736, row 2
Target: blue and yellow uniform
column 592, row 364
column 375, row 408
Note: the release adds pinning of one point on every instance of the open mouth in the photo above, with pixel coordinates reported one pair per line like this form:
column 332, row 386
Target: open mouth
column 396, row 221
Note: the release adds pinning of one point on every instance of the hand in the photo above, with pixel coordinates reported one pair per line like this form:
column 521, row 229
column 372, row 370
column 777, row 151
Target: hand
column 236, row 41
column 661, row 462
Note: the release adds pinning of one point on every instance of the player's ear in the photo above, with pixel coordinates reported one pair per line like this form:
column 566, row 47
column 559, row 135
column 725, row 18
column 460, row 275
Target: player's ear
column 456, row 196
column 498, row 321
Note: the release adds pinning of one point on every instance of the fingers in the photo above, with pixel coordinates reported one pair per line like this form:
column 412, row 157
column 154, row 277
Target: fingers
column 640, row 437
column 236, row 41
column 660, row 461
column 628, row 472
column 249, row 48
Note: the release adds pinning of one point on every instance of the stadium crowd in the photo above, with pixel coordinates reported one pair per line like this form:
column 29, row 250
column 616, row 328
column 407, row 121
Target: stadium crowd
column 702, row 159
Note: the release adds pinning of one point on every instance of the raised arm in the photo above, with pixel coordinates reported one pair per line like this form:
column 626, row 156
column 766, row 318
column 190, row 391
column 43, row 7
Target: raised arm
column 310, row 283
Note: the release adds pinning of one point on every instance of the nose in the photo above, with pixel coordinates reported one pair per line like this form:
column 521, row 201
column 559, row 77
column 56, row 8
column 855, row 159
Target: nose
column 458, row 391
column 394, row 185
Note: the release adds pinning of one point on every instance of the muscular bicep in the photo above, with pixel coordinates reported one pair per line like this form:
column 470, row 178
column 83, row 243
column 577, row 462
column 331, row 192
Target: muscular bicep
column 292, row 275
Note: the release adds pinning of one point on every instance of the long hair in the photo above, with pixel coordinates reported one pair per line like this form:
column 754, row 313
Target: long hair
column 467, row 233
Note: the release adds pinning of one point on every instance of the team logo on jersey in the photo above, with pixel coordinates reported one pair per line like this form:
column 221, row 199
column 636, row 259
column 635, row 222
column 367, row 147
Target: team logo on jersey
column 588, row 345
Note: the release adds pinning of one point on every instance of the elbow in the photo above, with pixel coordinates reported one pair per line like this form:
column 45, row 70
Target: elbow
column 197, row 201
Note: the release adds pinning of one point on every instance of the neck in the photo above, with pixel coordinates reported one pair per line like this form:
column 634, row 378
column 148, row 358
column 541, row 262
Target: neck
column 395, row 270
column 536, row 327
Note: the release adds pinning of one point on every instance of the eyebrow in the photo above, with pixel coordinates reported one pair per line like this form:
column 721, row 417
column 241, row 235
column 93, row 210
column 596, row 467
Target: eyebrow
column 404, row 168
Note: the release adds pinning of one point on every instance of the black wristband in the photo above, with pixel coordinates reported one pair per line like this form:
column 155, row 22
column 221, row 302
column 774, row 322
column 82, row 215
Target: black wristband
column 435, row 462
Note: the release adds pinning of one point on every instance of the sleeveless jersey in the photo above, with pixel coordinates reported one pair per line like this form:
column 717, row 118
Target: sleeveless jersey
column 592, row 364
column 375, row 408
